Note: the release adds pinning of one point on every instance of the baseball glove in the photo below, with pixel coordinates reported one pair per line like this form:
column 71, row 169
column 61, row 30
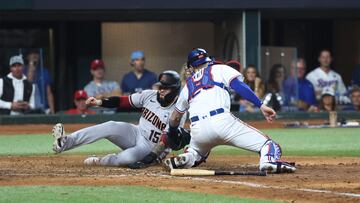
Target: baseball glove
column 180, row 141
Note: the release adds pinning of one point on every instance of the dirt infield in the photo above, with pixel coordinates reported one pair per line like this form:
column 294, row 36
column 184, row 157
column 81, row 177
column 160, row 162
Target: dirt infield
column 318, row 179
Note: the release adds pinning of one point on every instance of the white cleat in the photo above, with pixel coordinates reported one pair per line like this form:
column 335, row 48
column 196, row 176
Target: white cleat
column 92, row 161
column 175, row 162
column 277, row 167
column 58, row 133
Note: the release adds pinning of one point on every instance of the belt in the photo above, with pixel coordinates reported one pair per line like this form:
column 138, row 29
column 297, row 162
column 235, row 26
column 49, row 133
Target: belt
column 212, row 113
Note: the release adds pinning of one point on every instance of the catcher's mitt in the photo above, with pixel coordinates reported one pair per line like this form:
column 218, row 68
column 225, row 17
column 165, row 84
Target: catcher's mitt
column 176, row 143
column 180, row 140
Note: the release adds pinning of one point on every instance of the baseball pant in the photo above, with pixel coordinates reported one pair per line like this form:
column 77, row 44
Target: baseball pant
column 222, row 129
column 126, row 136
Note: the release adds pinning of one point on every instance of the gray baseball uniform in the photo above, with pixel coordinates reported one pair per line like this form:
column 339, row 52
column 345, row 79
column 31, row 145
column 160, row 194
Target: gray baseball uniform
column 136, row 141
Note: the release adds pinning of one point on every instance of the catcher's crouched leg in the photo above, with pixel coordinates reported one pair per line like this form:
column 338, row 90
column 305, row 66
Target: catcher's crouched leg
column 270, row 155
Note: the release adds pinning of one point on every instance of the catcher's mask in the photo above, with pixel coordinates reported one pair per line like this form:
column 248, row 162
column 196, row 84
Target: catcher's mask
column 197, row 57
column 168, row 80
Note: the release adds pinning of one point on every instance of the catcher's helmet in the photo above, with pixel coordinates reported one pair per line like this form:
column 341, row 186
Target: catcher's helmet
column 197, row 57
column 169, row 79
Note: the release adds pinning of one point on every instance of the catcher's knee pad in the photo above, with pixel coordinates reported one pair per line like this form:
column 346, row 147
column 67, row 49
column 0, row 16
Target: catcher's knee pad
column 270, row 159
column 270, row 152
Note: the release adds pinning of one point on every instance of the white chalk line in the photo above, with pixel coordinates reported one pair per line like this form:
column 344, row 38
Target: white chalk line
column 257, row 185
column 244, row 183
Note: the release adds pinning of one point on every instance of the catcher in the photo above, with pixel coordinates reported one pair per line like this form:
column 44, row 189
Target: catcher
column 206, row 97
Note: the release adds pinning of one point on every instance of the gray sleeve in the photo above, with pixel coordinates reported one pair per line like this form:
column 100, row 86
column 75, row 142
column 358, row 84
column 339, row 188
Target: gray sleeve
column 139, row 99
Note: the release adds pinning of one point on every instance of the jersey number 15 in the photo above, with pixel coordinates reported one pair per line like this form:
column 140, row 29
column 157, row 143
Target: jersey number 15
column 154, row 136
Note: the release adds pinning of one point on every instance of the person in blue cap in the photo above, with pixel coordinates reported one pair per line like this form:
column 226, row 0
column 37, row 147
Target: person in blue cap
column 139, row 78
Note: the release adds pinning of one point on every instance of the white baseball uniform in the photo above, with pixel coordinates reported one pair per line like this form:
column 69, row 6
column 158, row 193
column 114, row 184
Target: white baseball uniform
column 321, row 80
column 136, row 141
column 212, row 122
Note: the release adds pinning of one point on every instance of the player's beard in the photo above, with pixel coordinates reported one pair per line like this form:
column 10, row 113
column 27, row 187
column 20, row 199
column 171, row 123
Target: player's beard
column 168, row 99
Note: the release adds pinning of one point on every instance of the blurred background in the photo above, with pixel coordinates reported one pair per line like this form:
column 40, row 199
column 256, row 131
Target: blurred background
column 272, row 41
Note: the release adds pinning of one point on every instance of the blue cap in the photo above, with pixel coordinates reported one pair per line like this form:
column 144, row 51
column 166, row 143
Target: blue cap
column 137, row 55
column 197, row 57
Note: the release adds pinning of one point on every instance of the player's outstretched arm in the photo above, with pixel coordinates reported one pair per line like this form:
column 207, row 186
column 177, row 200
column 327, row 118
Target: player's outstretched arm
column 92, row 101
column 245, row 91
column 111, row 102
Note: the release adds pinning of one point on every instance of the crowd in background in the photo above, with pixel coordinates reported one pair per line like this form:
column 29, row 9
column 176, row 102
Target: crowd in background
column 27, row 88
column 322, row 89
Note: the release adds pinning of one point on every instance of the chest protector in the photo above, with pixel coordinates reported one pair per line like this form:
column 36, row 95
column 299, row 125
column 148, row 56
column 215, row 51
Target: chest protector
column 202, row 80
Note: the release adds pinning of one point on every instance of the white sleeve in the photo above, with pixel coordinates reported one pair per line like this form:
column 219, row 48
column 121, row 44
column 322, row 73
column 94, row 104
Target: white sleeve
column 227, row 74
column 3, row 104
column 32, row 98
column 341, row 86
column 311, row 77
column 182, row 104
column 138, row 99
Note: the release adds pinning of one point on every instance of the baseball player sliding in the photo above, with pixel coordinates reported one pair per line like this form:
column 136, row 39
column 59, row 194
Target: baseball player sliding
column 136, row 141
column 206, row 98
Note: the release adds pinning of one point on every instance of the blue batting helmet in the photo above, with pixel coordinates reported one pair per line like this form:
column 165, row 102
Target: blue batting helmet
column 197, row 57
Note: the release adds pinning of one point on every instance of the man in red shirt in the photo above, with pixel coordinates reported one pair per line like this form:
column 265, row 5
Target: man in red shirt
column 80, row 97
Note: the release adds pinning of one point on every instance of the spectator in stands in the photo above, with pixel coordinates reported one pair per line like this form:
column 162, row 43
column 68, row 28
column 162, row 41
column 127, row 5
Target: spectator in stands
column 327, row 100
column 275, row 95
column 276, row 78
column 99, row 87
column 80, row 97
column 140, row 78
column 16, row 92
column 39, row 75
column 355, row 99
column 303, row 87
column 323, row 77
column 253, row 80
column 290, row 87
